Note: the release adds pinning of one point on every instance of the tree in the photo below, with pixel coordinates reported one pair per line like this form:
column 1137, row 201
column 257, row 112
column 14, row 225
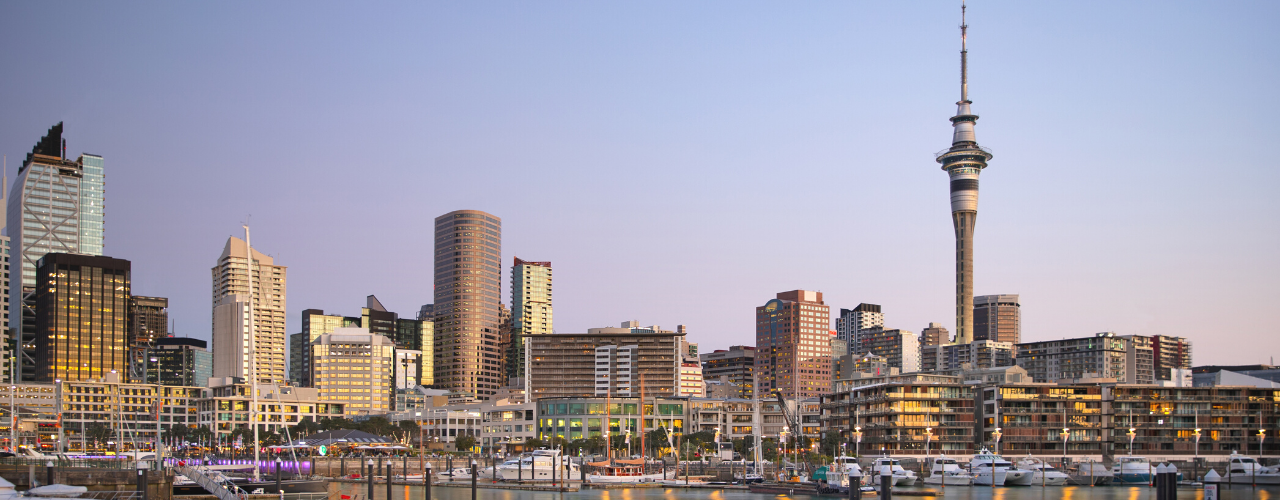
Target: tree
column 533, row 444
column 305, row 427
column 464, row 443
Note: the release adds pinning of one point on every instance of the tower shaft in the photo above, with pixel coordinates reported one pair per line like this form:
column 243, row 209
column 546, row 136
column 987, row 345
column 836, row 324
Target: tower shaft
column 963, row 162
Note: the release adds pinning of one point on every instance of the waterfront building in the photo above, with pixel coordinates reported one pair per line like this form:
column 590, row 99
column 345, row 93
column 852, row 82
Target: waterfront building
column 793, row 345
column 691, row 382
column 468, row 283
column 895, row 411
column 582, row 418
column 225, row 407
column 852, row 322
column 736, row 363
column 55, row 206
column 934, row 334
column 500, row 424
column 900, row 347
column 82, row 312
column 1031, row 418
column 963, row 162
column 998, row 318
column 531, row 311
column 605, row 361
column 179, row 361
column 233, row 354
column 355, row 368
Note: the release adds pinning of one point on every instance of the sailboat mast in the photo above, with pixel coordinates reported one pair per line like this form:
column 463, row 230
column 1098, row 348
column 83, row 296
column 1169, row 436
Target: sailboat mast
column 655, row 400
column 608, row 421
column 253, row 361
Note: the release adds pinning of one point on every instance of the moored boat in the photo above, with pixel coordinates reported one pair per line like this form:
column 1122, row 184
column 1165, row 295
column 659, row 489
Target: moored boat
column 1042, row 473
column 946, row 471
column 890, row 466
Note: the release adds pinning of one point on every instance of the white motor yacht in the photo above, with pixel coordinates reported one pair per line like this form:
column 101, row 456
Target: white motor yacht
column 541, row 465
column 1042, row 473
column 946, row 471
column 890, row 466
column 1245, row 470
column 989, row 469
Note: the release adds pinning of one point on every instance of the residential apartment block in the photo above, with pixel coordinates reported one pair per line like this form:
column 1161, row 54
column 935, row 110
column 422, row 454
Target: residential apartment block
column 852, row 322
column 998, row 318
column 248, row 303
column 737, row 363
column 604, row 360
column 793, row 345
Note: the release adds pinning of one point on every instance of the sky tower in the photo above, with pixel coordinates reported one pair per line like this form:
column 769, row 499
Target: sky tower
column 963, row 161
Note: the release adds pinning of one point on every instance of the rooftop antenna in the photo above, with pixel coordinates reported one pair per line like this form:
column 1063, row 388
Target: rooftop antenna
column 964, row 55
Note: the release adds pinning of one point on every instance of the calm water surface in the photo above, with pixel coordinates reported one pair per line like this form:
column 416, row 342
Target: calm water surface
column 952, row 492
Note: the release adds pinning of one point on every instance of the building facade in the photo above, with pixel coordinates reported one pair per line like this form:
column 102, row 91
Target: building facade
column 468, row 285
column 82, row 304
column 148, row 319
column 248, row 315
column 998, row 318
column 934, row 334
column 531, row 311
column 603, row 362
column 898, row 414
column 179, row 361
column 691, row 382
column 900, row 348
column 852, row 322
column 1169, row 353
column 314, row 324
column 737, row 363
column 953, row 358
column 1100, row 356
column 356, row 369
column 226, row 403
column 793, row 346
column 56, row 205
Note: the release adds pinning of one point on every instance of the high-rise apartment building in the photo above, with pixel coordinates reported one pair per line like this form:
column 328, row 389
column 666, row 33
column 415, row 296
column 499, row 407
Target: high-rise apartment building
column 180, row 361
column 1139, row 358
column 8, row 358
column 737, row 363
column 1169, row 353
column 998, row 318
column 900, row 348
column 55, row 205
column 355, row 368
column 248, row 315
column 82, row 304
column 531, row 312
column 963, row 162
column 934, row 334
column 852, row 322
column 691, row 382
column 148, row 319
column 955, row 358
column 1100, row 356
column 468, row 285
column 793, row 345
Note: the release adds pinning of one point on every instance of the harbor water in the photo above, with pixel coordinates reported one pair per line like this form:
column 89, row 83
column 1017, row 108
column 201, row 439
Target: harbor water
column 400, row 492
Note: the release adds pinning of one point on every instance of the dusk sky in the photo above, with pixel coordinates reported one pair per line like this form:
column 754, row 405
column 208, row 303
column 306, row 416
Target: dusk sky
column 682, row 162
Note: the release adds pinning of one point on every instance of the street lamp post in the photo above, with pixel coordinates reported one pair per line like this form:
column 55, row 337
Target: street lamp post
column 1132, row 434
column 996, row 435
column 857, row 442
column 1066, row 433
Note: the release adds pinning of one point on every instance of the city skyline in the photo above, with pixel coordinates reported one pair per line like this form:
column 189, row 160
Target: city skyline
column 742, row 117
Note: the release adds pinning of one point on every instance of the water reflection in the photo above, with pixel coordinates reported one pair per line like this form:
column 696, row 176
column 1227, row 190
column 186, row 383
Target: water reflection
column 951, row 493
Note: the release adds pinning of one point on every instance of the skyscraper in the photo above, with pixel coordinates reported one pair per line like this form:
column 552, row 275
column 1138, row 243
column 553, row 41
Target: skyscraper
column 793, row 345
column 55, row 205
column 233, row 353
column 998, row 318
column 180, row 361
column 82, row 304
column 468, row 288
column 853, row 322
column 963, row 161
column 530, row 311
column 355, row 367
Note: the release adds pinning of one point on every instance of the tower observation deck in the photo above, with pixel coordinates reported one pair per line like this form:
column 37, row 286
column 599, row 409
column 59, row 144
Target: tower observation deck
column 963, row 161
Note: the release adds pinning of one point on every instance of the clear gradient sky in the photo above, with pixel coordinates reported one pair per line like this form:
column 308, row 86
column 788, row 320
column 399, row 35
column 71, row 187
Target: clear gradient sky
column 682, row 162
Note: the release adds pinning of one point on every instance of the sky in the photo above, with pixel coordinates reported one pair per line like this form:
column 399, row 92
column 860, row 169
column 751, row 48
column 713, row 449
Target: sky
column 683, row 162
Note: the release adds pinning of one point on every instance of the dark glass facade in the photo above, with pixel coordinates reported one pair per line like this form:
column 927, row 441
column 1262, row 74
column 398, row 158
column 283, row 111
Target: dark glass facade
column 82, row 305
column 180, row 361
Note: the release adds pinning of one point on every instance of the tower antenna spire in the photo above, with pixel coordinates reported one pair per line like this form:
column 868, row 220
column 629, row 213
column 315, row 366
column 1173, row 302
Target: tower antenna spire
column 964, row 55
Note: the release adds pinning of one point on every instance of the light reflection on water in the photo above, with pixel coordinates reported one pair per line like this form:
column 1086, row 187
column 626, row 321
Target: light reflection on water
column 401, row 492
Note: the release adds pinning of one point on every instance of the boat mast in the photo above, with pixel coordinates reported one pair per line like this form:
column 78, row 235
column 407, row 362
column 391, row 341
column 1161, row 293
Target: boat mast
column 608, row 422
column 253, row 361
column 755, row 422
column 655, row 403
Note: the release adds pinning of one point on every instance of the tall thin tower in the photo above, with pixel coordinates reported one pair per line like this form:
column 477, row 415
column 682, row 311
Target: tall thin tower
column 963, row 161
